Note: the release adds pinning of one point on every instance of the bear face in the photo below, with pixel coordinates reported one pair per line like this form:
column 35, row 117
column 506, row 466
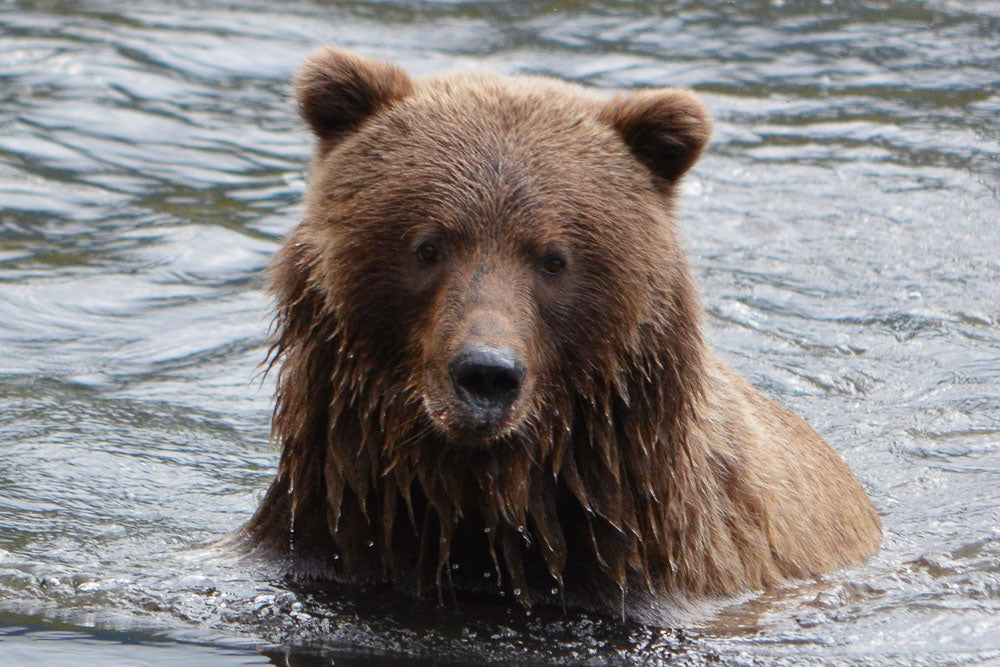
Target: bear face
column 471, row 226
column 491, row 360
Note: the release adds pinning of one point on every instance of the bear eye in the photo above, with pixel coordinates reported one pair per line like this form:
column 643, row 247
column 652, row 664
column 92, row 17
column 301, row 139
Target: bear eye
column 428, row 252
column 554, row 264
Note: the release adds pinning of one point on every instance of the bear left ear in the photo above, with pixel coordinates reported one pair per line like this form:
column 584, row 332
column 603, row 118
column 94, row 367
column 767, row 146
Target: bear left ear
column 666, row 129
column 338, row 90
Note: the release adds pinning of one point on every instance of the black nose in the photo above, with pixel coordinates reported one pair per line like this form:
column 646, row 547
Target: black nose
column 487, row 380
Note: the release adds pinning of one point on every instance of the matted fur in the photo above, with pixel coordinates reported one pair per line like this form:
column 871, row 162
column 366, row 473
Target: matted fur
column 643, row 470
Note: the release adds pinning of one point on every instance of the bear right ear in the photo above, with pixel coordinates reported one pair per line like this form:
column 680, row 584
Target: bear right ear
column 666, row 129
column 337, row 91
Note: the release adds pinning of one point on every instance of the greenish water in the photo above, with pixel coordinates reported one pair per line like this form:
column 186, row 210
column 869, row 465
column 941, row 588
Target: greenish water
column 844, row 227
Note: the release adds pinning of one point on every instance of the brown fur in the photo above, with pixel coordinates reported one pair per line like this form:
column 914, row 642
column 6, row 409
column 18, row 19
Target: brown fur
column 634, row 470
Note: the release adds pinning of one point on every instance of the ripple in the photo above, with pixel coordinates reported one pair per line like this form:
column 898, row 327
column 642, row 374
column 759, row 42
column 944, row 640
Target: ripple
column 842, row 226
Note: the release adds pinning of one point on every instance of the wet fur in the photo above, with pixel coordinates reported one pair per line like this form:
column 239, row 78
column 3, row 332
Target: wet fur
column 641, row 473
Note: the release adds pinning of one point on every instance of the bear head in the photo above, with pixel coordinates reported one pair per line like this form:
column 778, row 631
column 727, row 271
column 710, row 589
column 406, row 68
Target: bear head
column 493, row 247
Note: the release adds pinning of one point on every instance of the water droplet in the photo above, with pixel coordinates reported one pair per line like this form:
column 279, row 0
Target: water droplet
column 517, row 591
column 487, row 575
column 336, row 556
column 454, row 566
column 371, row 543
column 520, row 529
column 554, row 591
column 487, row 530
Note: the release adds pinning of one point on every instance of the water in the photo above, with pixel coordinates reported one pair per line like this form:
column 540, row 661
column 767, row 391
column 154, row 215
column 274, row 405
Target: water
column 843, row 227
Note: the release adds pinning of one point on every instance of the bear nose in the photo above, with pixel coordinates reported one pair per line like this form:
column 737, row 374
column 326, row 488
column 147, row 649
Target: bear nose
column 487, row 380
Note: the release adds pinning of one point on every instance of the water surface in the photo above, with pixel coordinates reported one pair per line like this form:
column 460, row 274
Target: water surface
column 843, row 227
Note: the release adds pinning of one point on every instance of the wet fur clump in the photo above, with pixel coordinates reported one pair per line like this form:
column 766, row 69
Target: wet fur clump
column 629, row 471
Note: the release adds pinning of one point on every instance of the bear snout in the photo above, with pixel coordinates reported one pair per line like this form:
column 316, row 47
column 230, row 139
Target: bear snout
column 487, row 381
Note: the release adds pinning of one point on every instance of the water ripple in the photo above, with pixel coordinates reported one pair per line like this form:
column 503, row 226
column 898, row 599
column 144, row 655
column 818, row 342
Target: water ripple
column 843, row 229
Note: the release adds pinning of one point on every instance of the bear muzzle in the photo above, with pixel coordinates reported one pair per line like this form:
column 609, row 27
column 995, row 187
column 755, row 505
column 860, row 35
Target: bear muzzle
column 487, row 381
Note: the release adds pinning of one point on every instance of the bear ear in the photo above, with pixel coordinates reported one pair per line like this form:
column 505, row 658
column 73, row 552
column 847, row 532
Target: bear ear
column 666, row 129
column 337, row 91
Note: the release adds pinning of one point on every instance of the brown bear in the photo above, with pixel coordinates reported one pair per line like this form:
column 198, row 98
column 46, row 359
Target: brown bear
column 493, row 379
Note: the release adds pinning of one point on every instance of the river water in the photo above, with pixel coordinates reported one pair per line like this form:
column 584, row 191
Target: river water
column 844, row 227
